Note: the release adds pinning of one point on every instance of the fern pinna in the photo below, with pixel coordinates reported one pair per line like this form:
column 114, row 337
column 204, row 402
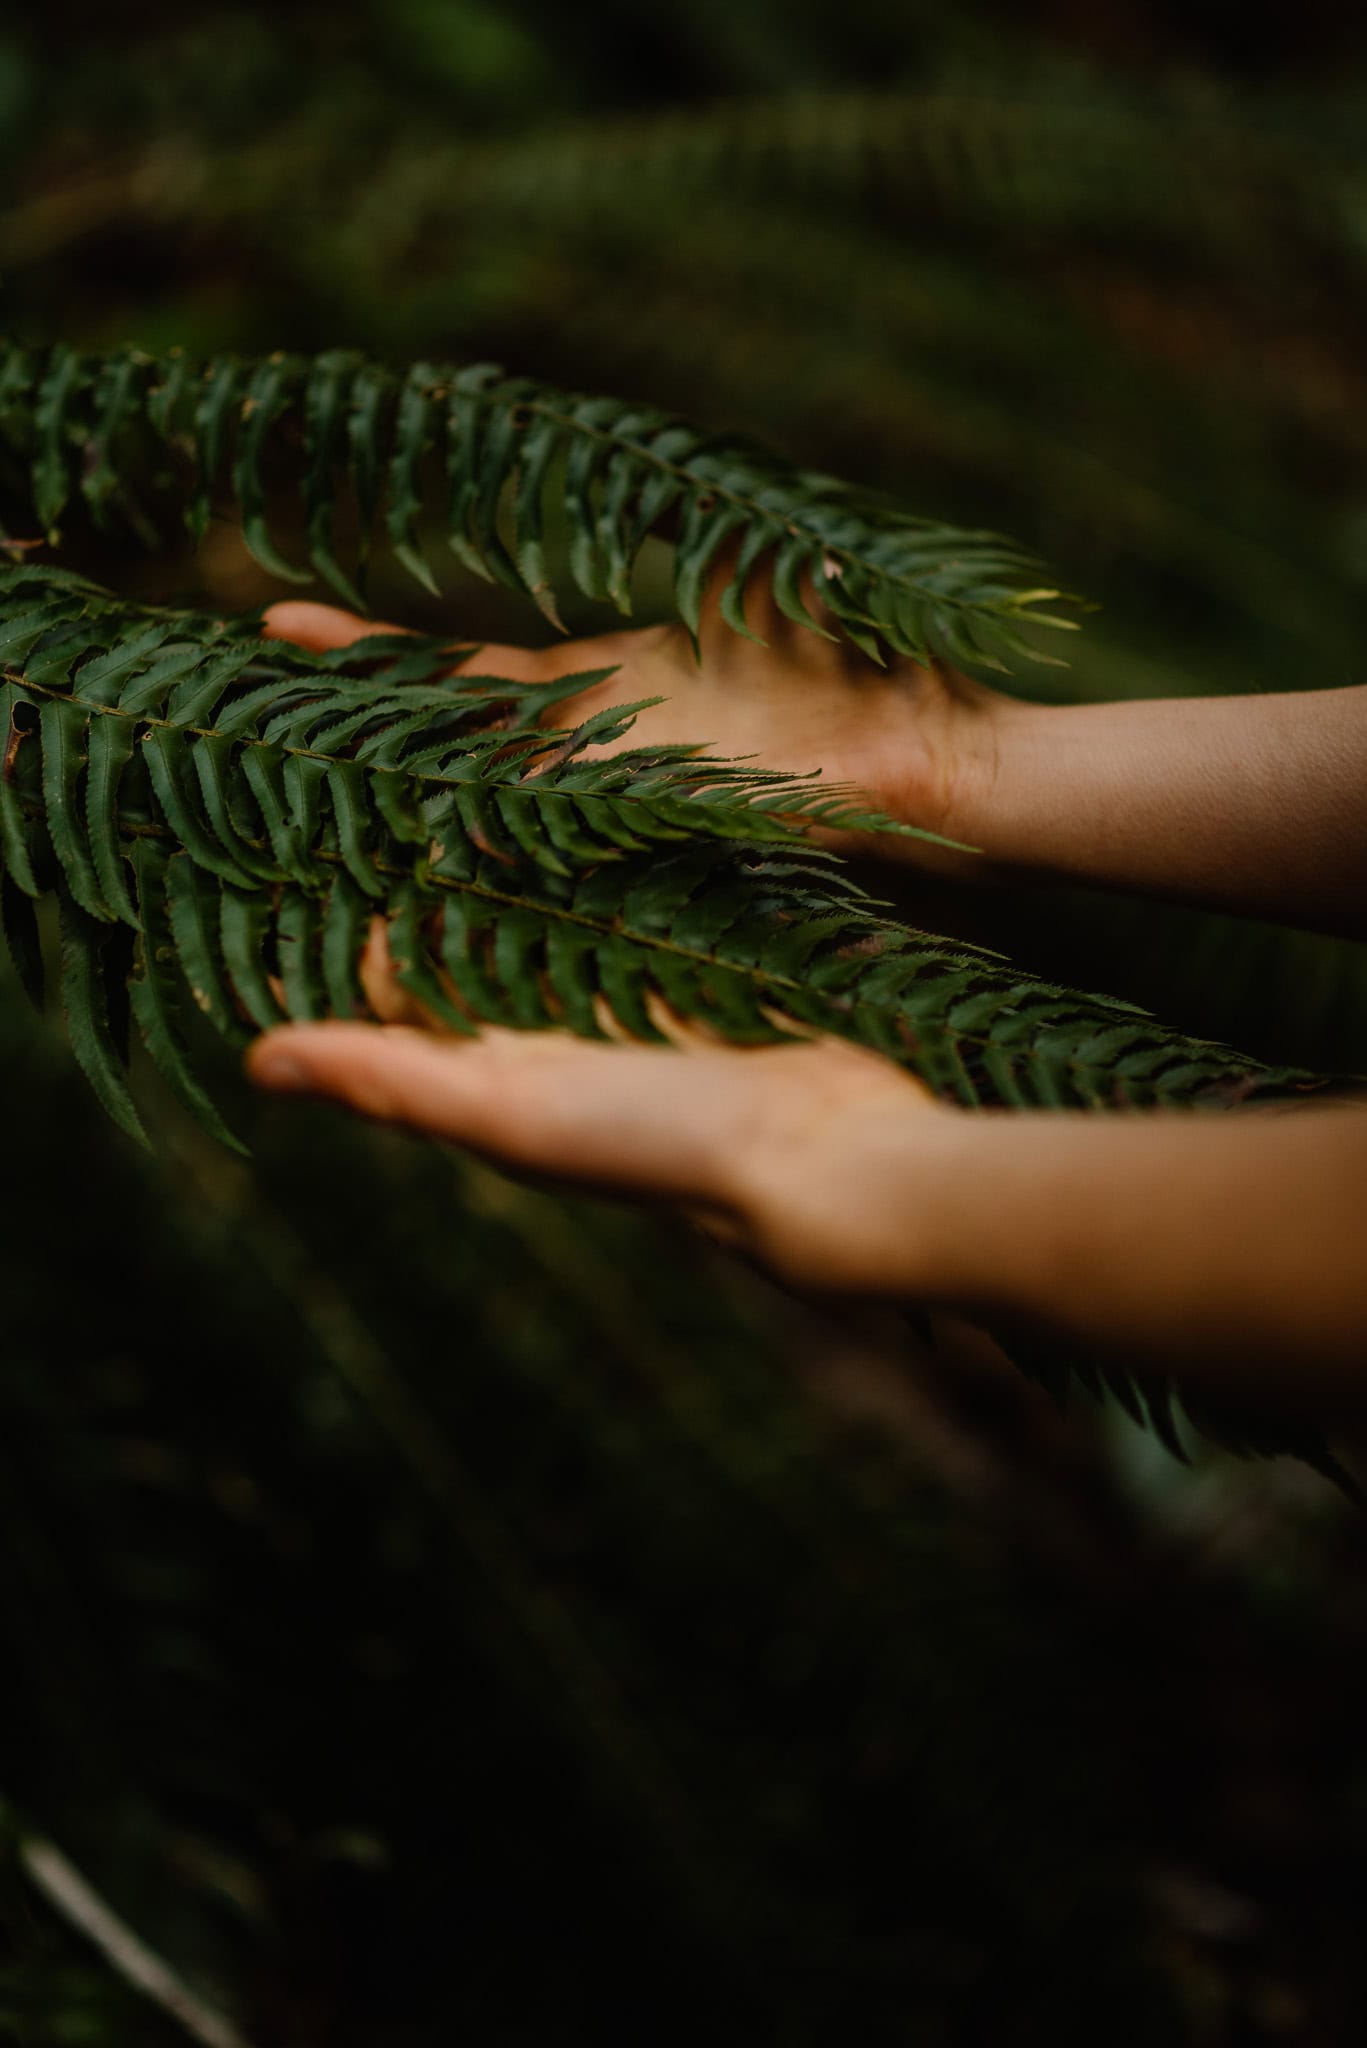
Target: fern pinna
column 218, row 816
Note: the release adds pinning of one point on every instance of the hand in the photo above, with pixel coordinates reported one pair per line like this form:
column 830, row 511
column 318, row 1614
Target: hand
column 1224, row 1247
column 761, row 1146
column 920, row 744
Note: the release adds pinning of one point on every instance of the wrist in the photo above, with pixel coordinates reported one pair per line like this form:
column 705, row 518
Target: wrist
column 1000, row 784
column 971, row 1212
column 965, row 761
column 853, row 1205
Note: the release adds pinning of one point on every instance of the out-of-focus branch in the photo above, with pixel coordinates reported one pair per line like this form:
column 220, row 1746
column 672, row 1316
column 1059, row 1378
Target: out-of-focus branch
column 80, row 1905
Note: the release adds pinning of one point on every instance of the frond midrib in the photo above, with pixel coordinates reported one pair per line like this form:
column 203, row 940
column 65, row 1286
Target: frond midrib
column 527, row 785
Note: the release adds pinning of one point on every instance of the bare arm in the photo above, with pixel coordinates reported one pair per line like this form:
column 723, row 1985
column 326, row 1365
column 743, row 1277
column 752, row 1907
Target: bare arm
column 1252, row 804
column 1230, row 1246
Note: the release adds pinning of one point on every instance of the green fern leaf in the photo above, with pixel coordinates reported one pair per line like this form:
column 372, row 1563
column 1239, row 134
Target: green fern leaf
column 271, row 391
column 219, row 402
column 346, row 922
column 167, row 752
column 155, row 993
column 298, row 936
column 372, row 390
column 414, row 962
column 65, row 377
column 327, row 396
column 193, row 907
column 279, row 425
column 414, row 440
column 63, row 729
column 85, row 1005
column 168, row 397
column 348, row 791
column 16, row 859
column 264, row 768
column 244, row 926
column 111, row 746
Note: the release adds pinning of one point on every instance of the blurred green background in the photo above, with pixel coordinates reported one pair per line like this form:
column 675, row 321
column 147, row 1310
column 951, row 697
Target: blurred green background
column 436, row 1610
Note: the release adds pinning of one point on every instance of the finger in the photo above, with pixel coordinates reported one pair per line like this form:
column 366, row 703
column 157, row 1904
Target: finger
column 677, row 1029
column 319, row 627
column 385, row 994
column 626, row 1119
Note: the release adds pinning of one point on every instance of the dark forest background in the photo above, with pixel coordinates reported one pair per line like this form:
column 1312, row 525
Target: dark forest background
column 433, row 1610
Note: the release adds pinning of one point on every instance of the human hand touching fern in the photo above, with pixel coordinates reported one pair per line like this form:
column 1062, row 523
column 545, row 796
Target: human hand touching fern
column 216, row 818
column 1226, row 1248
column 744, row 1140
column 920, row 743
column 841, row 1175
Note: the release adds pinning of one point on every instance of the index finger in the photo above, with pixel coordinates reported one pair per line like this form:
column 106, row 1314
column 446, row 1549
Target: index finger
column 641, row 1120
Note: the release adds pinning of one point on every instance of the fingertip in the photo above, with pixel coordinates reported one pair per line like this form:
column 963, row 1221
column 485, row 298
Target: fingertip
column 297, row 1057
column 389, row 1000
column 318, row 627
column 278, row 1062
column 368, row 1067
column 376, row 965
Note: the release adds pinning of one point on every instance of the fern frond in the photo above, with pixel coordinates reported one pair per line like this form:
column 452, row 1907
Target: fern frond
column 1037, row 145
column 1044, row 150
column 290, row 426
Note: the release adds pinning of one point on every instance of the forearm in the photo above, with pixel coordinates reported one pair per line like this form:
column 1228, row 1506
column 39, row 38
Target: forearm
column 1229, row 1248
column 1254, row 804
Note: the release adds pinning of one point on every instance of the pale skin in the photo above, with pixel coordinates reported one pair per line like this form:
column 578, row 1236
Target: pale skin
column 1228, row 1247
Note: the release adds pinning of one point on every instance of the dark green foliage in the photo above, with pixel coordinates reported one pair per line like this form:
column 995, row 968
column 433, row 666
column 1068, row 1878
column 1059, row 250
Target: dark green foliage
column 340, row 1477
column 618, row 471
